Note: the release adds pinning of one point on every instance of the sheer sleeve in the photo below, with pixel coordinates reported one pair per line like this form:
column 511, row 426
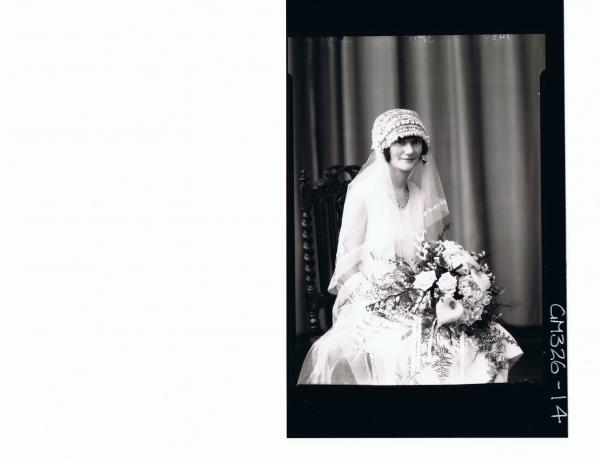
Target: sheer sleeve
column 351, row 240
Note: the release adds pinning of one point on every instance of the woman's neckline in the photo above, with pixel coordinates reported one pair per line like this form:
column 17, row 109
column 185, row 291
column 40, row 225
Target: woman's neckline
column 409, row 191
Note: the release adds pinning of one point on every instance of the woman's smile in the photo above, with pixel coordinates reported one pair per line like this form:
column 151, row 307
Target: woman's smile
column 405, row 152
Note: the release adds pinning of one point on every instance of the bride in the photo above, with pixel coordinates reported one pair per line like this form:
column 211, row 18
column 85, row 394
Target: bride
column 396, row 198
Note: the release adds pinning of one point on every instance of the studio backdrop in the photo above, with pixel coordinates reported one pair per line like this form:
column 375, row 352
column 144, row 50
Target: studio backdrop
column 479, row 99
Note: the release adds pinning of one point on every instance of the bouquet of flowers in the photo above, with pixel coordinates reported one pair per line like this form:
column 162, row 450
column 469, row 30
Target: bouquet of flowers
column 460, row 284
column 453, row 293
column 451, row 286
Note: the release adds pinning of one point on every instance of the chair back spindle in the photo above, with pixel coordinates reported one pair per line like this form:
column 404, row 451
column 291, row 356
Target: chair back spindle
column 321, row 208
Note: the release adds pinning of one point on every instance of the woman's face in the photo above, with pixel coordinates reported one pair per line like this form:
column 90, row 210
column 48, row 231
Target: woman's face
column 405, row 154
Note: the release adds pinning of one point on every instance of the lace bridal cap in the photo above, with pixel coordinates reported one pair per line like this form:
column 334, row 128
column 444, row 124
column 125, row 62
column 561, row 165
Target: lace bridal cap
column 374, row 179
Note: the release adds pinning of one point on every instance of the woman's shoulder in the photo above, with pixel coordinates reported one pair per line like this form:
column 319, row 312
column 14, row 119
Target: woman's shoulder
column 360, row 190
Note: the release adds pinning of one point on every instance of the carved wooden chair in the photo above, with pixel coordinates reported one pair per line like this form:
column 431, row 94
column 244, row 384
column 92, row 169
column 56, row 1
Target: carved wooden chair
column 321, row 207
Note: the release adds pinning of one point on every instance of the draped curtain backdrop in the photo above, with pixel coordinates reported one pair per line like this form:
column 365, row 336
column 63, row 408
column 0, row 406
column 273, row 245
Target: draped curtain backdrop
column 479, row 99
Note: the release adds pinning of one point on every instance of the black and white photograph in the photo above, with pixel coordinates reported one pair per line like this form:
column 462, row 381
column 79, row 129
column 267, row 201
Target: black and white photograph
column 416, row 196
column 418, row 208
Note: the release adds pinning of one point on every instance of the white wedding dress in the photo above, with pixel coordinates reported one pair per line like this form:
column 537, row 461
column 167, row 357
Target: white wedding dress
column 362, row 348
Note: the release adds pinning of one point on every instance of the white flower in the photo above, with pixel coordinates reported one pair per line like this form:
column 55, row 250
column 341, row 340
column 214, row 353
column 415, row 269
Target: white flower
column 424, row 280
column 487, row 298
column 447, row 283
column 470, row 290
column 472, row 315
column 482, row 280
column 447, row 310
column 462, row 262
column 477, row 311
column 451, row 246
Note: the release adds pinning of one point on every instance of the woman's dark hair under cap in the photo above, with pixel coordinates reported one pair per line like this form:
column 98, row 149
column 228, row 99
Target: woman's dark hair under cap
column 386, row 151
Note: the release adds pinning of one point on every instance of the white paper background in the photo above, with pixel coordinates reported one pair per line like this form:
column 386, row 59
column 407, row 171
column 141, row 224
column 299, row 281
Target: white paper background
column 142, row 237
